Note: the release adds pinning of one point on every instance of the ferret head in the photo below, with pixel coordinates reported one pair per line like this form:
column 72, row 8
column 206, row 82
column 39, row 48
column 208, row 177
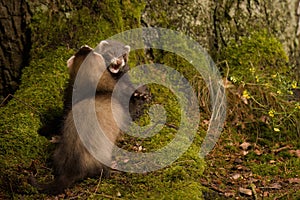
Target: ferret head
column 115, row 55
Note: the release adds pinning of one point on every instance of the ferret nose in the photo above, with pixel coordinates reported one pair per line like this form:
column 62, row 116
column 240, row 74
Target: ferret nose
column 119, row 61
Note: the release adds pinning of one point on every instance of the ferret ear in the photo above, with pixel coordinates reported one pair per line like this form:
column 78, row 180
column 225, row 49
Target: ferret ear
column 101, row 46
column 85, row 46
column 98, row 57
column 70, row 62
column 127, row 48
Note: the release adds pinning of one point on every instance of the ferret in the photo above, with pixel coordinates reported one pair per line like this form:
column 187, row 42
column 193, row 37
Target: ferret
column 71, row 160
column 108, row 49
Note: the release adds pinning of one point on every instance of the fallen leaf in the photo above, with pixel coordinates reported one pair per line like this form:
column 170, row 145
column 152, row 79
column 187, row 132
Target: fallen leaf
column 140, row 149
column 266, row 194
column 295, row 152
column 258, row 152
column 228, row 84
column 245, row 191
column 229, row 194
column 275, row 186
column 272, row 161
column 245, row 100
column 245, row 145
column 294, row 180
column 119, row 194
column 238, row 161
column 236, row 176
column 264, row 119
column 245, row 153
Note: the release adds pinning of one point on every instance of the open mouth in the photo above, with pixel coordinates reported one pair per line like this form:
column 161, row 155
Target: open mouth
column 114, row 68
column 116, row 65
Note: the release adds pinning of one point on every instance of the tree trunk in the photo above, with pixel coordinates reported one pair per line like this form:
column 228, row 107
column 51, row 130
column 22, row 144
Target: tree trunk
column 214, row 23
column 15, row 43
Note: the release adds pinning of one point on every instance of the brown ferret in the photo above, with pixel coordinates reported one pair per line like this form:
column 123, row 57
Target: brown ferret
column 71, row 160
column 109, row 49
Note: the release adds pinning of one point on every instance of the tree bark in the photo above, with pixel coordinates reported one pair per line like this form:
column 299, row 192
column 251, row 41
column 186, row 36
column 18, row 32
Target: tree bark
column 214, row 23
column 15, row 43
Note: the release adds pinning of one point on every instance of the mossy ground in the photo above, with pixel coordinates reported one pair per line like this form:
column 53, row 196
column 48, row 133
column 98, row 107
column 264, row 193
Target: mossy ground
column 39, row 98
column 259, row 112
column 257, row 150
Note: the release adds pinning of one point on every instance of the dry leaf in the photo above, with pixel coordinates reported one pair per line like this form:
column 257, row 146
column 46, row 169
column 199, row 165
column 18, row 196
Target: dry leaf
column 245, row 145
column 276, row 186
column 245, row 100
column 245, row 191
column 119, row 194
column 264, row 119
column 245, row 153
column 228, row 84
column 294, row 180
column 272, row 161
column 266, row 194
column 229, row 194
column 257, row 152
column 295, row 152
column 238, row 161
column 140, row 148
column 236, row 176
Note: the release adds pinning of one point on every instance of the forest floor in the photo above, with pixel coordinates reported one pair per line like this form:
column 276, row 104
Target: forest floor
column 237, row 169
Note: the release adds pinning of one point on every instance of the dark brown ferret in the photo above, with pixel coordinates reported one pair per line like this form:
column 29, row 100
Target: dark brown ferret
column 72, row 161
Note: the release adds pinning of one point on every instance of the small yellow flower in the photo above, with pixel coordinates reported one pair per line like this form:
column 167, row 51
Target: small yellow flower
column 252, row 70
column 257, row 79
column 274, row 75
column 246, row 94
column 233, row 79
column 279, row 92
column 294, row 84
column 272, row 113
column 276, row 129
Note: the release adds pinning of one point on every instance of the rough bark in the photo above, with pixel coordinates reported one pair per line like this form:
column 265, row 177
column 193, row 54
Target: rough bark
column 214, row 23
column 15, row 43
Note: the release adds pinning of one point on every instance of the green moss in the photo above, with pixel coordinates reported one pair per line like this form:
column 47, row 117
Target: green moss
column 261, row 87
column 40, row 97
column 40, row 91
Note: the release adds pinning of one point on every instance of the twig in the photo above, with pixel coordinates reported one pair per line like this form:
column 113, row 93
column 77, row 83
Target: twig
column 100, row 179
column 22, row 102
column 212, row 187
column 77, row 196
column 4, row 100
column 171, row 126
column 281, row 149
column 109, row 196
column 254, row 191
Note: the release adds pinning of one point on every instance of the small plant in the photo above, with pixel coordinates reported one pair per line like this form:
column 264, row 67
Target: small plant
column 262, row 88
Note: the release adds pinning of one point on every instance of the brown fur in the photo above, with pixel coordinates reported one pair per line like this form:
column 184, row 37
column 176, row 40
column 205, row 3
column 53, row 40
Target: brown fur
column 71, row 160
